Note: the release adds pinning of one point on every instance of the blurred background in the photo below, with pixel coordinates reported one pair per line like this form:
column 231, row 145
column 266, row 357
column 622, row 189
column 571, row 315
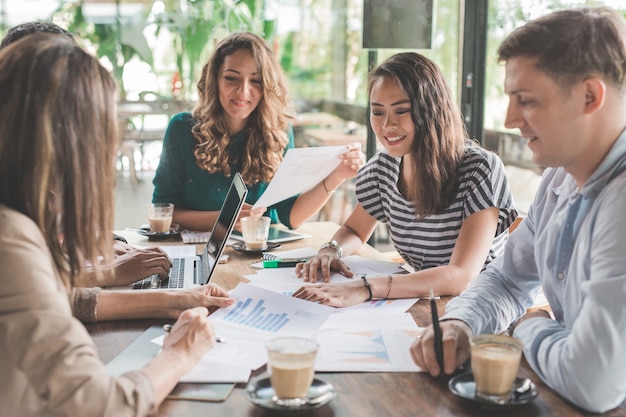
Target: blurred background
column 156, row 49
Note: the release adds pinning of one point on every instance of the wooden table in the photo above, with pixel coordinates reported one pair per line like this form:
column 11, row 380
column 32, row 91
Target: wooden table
column 358, row 394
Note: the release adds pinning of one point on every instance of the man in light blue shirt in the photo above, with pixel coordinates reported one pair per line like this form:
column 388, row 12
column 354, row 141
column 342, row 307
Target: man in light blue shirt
column 566, row 82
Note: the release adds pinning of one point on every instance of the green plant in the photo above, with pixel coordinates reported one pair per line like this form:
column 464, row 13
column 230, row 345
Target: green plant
column 118, row 41
column 202, row 23
column 195, row 26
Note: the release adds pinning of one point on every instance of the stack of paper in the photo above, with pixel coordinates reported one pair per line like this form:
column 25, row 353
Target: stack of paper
column 257, row 316
column 190, row 236
column 371, row 337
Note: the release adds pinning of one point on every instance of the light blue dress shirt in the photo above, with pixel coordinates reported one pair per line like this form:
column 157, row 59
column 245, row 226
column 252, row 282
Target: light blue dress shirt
column 573, row 245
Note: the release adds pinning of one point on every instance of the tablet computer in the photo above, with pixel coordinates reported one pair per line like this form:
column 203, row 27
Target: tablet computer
column 277, row 235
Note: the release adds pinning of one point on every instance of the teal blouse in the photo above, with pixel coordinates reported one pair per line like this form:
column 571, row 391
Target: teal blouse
column 181, row 181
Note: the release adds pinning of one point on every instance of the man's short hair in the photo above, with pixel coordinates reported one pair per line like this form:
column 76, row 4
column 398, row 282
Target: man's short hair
column 24, row 29
column 573, row 44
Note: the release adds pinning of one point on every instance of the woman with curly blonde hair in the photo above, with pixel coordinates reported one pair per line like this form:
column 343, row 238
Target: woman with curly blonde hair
column 240, row 124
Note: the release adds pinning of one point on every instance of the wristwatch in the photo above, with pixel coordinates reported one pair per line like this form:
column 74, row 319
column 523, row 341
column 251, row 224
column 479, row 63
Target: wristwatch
column 335, row 245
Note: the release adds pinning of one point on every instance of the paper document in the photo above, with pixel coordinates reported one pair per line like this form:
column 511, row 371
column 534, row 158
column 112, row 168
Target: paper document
column 231, row 361
column 269, row 314
column 300, row 170
column 179, row 251
column 366, row 349
column 142, row 350
column 284, row 280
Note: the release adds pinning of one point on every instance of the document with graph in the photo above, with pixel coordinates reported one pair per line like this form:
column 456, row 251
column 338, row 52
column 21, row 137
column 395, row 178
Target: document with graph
column 269, row 314
column 366, row 349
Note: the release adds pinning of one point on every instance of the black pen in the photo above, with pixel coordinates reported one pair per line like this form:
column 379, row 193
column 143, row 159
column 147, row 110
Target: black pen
column 437, row 330
column 168, row 328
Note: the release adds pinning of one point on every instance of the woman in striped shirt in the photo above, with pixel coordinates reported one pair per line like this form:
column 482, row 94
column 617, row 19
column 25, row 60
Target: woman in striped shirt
column 446, row 201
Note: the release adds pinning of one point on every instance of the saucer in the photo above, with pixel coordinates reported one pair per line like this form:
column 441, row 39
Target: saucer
column 241, row 247
column 464, row 386
column 260, row 392
column 144, row 230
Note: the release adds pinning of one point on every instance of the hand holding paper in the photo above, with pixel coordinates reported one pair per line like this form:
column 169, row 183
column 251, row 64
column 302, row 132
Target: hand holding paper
column 301, row 170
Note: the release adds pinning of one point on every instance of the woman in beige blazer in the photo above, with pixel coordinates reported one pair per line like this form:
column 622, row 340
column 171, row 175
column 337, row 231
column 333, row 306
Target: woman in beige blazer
column 58, row 143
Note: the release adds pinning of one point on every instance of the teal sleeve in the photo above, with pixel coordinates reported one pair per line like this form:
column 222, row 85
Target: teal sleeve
column 170, row 174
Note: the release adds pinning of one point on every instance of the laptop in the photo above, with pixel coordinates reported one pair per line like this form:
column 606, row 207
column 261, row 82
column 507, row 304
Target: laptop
column 188, row 272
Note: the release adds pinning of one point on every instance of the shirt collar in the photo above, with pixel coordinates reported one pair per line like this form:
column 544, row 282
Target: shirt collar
column 612, row 165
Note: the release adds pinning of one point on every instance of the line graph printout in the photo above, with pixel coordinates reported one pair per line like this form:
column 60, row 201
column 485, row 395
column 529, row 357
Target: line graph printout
column 270, row 313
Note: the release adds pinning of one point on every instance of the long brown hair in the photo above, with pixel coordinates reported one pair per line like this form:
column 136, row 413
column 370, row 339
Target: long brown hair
column 440, row 133
column 268, row 123
column 58, row 140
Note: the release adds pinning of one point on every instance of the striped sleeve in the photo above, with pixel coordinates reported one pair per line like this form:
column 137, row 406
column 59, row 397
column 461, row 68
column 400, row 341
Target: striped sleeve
column 486, row 186
column 374, row 183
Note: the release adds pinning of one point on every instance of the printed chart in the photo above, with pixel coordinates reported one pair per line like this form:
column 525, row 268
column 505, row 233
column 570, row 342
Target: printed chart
column 270, row 314
column 365, row 350
column 256, row 315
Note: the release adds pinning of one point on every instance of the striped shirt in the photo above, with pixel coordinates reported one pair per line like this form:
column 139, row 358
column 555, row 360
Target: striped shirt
column 429, row 242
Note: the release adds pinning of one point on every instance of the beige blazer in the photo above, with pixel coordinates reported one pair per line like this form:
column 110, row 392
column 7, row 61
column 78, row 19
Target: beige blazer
column 49, row 364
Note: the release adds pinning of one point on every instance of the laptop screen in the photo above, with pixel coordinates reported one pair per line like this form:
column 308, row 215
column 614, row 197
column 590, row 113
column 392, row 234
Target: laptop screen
column 224, row 225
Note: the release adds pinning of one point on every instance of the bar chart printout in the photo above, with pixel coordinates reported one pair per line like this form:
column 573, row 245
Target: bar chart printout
column 271, row 313
column 256, row 317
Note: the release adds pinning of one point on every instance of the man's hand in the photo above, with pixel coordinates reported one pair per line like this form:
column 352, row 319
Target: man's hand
column 456, row 349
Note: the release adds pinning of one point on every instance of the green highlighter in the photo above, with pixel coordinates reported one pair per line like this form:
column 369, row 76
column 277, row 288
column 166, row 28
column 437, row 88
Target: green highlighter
column 281, row 264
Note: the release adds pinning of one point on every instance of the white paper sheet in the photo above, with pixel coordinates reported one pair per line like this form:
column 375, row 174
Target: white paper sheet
column 366, row 350
column 379, row 307
column 179, row 251
column 300, row 170
column 350, row 339
column 269, row 314
column 284, row 280
column 218, row 364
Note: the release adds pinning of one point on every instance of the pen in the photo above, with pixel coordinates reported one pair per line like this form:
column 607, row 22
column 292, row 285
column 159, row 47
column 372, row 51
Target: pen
column 437, row 330
column 281, row 264
column 168, row 328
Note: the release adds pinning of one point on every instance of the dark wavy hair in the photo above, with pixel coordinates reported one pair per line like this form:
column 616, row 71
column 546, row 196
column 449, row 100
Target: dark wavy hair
column 58, row 141
column 440, row 133
column 267, row 125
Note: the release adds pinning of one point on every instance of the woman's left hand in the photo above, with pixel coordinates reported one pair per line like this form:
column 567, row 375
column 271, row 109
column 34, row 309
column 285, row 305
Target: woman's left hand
column 343, row 294
column 351, row 161
column 209, row 295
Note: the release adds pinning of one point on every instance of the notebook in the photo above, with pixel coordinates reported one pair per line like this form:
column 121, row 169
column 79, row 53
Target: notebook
column 188, row 272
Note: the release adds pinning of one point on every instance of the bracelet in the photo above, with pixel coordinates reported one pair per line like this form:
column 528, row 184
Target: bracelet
column 389, row 289
column 326, row 189
column 367, row 285
column 335, row 245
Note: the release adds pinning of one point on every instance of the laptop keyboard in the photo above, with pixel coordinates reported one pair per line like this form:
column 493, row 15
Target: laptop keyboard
column 176, row 278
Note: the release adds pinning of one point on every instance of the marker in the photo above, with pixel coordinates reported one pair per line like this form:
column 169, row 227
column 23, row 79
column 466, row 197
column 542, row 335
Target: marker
column 281, row 264
column 437, row 330
column 168, row 328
